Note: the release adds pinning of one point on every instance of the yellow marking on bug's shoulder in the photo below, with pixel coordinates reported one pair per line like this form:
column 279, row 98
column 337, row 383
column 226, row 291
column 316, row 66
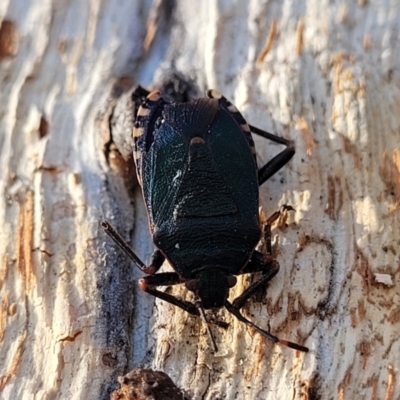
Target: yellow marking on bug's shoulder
column 154, row 96
column 143, row 111
column 245, row 128
column 137, row 155
column 214, row 94
column 136, row 132
column 232, row 108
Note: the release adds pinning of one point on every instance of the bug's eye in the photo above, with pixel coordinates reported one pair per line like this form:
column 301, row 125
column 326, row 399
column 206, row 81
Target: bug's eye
column 191, row 284
column 231, row 281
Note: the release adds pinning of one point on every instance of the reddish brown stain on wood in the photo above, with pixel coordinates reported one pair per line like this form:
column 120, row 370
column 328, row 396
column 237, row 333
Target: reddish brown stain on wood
column 374, row 384
column 70, row 338
column 367, row 41
column 391, row 383
column 15, row 361
column 307, row 134
column 342, row 386
column 268, row 43
column 352, row 149
column 353, row 317
column 361, row 310
column 335, row 197
column 390, row 173
column 394, row 316
column 25, row 240
column 4, row 305
column 299, row 36
column 259, row 356
column 365, row 350
column 43, row 127
column 9, row 39
column 362, row 267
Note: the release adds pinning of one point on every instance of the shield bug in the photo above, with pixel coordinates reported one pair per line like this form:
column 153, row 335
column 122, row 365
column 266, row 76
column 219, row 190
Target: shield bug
column 196, row 164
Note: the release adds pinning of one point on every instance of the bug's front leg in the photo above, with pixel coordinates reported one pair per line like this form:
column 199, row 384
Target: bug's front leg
column 157, row 257
column 149, row 284
column 259, row 263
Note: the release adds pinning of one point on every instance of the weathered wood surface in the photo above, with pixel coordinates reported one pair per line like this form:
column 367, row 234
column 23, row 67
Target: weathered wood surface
column 324, row 74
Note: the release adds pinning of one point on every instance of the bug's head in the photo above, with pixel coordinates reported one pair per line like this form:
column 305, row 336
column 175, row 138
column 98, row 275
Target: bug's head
column 212, row 287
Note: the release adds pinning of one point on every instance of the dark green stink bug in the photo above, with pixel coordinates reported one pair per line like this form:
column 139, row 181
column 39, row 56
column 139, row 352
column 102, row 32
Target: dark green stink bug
column 197, row 168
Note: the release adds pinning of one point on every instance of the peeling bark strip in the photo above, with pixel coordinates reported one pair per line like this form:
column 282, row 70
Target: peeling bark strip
column 323, row 74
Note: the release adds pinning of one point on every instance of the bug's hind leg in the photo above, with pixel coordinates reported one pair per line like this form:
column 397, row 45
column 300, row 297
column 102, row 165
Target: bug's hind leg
column 149, row 284
column 266, row 264
column 260, row 262
column 280, row 160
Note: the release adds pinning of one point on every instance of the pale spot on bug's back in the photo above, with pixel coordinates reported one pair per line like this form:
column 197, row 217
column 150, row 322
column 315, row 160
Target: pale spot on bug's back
column 197, row 140
column 232, row 108
column 177, row 176
column 137, row 155
column 143, row 112
column 245, row 127
column 137, row 132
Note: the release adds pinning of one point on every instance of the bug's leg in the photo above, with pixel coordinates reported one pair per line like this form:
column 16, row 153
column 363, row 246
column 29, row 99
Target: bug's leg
column 281, row 159
column 267, row 227
column 157, row 258
column 259, row 263
column 270, row 267
column 117, row 238
column 240, row 301
column 266, row 264
column 149, row 283
column 156, row 261
column 139, row 96
column 264, row 333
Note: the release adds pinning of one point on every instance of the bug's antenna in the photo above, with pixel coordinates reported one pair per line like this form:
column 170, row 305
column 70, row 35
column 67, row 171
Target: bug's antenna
column 207, row 325
column 266, row 334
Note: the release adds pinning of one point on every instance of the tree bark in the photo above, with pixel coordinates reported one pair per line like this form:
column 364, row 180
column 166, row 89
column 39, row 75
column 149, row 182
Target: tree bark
column 323, row 74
